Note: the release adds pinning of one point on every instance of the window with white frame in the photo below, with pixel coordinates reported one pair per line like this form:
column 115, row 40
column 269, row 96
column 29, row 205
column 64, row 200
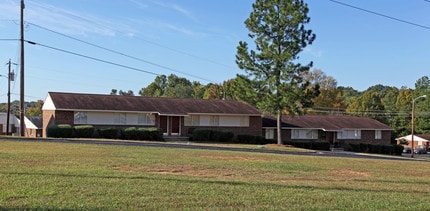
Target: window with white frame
column 216, row 120
column 378, row 134
column 234, row 121
column 80, row 117
column 205, row 120
column 120, row 118
column 270, row 134
column 304, row 134
column 349, row 134
column 192, row 120
column 146, row 119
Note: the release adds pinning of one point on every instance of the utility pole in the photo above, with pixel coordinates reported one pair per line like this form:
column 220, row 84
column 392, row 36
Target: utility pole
column 10, row 77
column 412, row 121
column 21, row 98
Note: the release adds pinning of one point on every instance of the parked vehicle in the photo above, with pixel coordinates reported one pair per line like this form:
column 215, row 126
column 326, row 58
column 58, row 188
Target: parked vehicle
column 406, row 150
column 420, row 150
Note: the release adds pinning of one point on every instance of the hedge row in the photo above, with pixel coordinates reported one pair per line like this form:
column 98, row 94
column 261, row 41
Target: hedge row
column 315, row 145
column 207, row 135
column 251, row 139
column 88, row 131
column 388, row 149
column 202, row 134
column 134, row 133
column 60, row 131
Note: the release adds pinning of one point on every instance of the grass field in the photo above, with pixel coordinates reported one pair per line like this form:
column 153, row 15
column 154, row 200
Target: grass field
column 35, row 175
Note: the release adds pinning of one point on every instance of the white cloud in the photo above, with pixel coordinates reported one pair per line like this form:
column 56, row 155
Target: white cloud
column 313, row 52
column 63, row 20
column 67, row 21
column 139, row 4
column 177, row 8
column 10, row 10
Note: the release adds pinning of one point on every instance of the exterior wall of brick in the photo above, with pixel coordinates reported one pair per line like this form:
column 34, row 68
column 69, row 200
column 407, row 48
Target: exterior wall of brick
column 33, row 133
column 64, row 117
column 285, row 134
column 367, row 136
column 52, row 117
column 48, row 118
column 67, row 117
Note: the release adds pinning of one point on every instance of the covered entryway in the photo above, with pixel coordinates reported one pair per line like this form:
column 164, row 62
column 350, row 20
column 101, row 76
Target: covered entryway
column 171, row 125
column 331, row 138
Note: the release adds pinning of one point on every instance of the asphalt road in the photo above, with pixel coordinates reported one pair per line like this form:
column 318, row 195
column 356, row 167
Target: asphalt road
column 197, row 146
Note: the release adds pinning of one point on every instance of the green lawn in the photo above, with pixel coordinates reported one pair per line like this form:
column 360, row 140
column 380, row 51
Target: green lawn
column 35, row 175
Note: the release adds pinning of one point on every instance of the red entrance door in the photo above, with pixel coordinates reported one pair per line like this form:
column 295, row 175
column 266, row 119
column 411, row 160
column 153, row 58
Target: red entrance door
column 163, row 124
column 175, row 125
column 170, row 125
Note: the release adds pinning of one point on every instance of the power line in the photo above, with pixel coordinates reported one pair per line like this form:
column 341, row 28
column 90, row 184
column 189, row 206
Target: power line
column 120, row 53
column 11, row 39
column 92, row 58
column 382, row 15
column 347, row 111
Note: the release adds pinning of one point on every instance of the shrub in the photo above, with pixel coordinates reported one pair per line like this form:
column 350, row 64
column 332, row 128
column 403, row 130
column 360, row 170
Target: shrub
column 222, row 136
column 364, row 147
column 60, row 131
column 251, row 139
column 316, row 145
column 245, row 139
column 397, row 149
column 131, row 133
column 355, row 147
column 260, row 140
column 387, row 149
column 202, row 134
column 303, row 144
column 271, row 141
column 321, row 145
column 291, row 143
column 374, row 148
column 84, row 131
column 149, row 133
column 109, row 133
column 143, row 133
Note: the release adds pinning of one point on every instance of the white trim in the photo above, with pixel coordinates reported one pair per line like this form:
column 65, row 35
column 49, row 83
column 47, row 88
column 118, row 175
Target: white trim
column 109, row 111
column 222, row 114
column 180, row 115
column 291, row 128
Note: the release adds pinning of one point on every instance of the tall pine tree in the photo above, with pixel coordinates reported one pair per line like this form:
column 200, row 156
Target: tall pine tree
column 278, row 30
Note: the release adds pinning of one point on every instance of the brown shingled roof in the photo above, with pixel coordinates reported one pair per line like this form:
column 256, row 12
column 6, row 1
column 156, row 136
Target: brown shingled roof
column 328, row 123
column 162, row 105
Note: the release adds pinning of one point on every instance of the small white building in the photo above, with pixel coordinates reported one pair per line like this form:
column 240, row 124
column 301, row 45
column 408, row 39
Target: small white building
column 33, row 126
column 420, row 140
column 13, row 124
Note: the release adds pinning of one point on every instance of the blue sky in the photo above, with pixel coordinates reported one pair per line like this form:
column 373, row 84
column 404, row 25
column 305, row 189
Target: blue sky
column 197, row 39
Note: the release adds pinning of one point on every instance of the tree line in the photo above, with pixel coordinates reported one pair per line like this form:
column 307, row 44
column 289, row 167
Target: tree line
column 387, row 104
column 33, row 108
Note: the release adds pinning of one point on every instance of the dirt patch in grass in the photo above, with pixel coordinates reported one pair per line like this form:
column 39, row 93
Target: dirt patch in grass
column 350, row 173
column 175, row 170
column 226, row 157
